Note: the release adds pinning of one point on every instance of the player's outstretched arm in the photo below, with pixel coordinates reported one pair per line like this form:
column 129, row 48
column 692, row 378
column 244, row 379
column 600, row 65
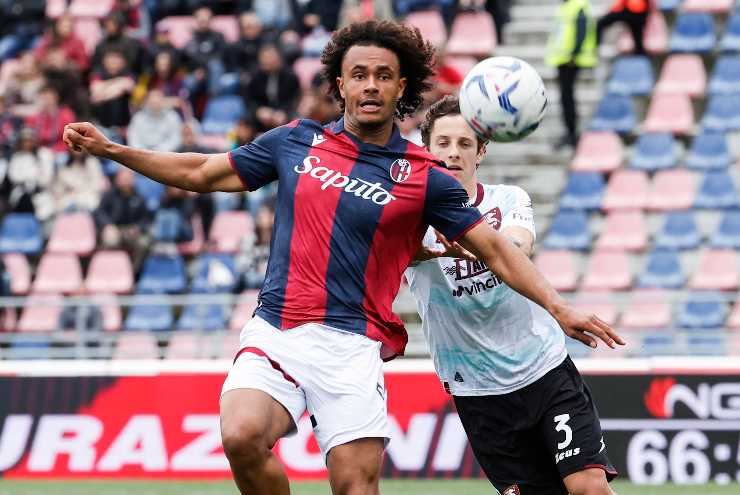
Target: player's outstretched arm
column 518, row 272
column 192, row 171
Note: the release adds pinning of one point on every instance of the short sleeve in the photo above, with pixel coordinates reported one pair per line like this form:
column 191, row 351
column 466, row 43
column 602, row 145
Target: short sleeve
column 521, row 213
column 256, row 163
column 446, row 206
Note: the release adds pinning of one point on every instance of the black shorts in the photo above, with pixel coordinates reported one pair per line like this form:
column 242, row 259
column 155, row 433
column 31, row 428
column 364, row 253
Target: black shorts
column 536, row 436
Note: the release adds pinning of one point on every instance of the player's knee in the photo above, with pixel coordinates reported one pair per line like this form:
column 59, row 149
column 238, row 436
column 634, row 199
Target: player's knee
column 589, row 482
column 244, row 441
column 356, row 482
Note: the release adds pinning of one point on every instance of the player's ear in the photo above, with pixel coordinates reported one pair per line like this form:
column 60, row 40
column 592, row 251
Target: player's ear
column 481, row 153
column 340, row 85
column 401, row 87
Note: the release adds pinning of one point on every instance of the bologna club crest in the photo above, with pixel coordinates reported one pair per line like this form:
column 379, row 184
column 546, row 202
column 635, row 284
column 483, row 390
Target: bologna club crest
column 400, row 170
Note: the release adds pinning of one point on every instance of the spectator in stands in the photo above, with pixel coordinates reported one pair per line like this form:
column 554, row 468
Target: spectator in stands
column 633, row 13
column 22, row 87
column 273, row 91
column 9, row 126
column 324, row 13
column 255, row 250
column 184, row 203
column 204, row 202
column 63, row 74
column 30, row 175
column 110, row 89
column 61, row 35
column 21, row 22
column 362, row 10
column 156, row 126
column 500, row 10
column 116, row 40
column 79, row 183
column 570, row 48
column 241, row 56
column 136, row 18
column 82, row 317
column 447, row 78
column 317, row 104
column 162, row 43
column 50, row 120
column 205, row 53
column 165, row 77
column 244, row 133
column 275, row 14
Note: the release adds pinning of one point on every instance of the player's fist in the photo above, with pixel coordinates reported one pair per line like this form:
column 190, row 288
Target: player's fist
column 83, row 136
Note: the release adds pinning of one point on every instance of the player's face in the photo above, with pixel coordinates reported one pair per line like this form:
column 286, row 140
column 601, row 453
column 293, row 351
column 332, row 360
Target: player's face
column 453, row 141
column 370, row 84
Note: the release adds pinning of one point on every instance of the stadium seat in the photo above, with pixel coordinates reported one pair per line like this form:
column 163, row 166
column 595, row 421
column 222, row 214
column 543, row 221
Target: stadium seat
column 162, row 274
column 662, row 270
column 90, row 8
column 112, row 317
column 646, row 308
column 663, row 344
column 702, row 310
column 55, row 8
column 139, row 345
column 195, row 245
column 707, row 343
column 600, row 303
column 168, row 225
column 185, row 345
column 229, row 229
column 40, row 313
column 725, row 76
column 202, row 317
column 678, row 231
column 73, row 233
column 717, row 190
column 28, row 346
column 244, row 310
column 152, row 191
column 463, row 63
column 569, row 230
column 584, row 191
column 431, row 25
column 733, row 322
column 682, row 74
column 672, row 190
column 655, row 151
column 709, row 151
column 559, row 268
column 222, row 113
column 598, row 152
column 722, row 113
column 717, row 270
column 214, row 273
column 472, row 33
column 728, row 233
column 607, row 270
column 58, row 273
column 306, row 68
column 20, row 233
column 693, row 32
column 730, row 41
column 228, row 346
column 615, row 113
column 227, row 25
column 632, row 76
column 110, row 272
column 152, row 317
column 624, row 230
column 627, row 190
column 89, row 31
column 711, row 6
column 181, row 28
column 654, row 39
column 20, row 273
column 669, row 113
column 668, row 5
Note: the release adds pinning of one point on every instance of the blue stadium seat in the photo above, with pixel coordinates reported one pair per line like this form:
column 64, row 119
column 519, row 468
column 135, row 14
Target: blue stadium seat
column 678, row 232
column 707, row 343
column 632, row 76
column 702, row 310
column 206, row 317
column 157, row 318
column 722, row 113
column 226, row 201
column 655, row 151
column 569, row 230
column 730, row 41
column 728, row 233
column 658, row 344
column 584, row 191
column 709, row 151
column 222, row 113
column 662, row 270
column 20, row 233
column 693, row 32
column 168, row 224
column 717, row 190
column 29, row 346
column 725, row 76
column 614, row 113
column 151, row 190
column 162, row 274
column 214, row 272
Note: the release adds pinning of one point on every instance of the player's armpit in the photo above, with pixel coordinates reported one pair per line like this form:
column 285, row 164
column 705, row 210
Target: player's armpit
column 521, row 237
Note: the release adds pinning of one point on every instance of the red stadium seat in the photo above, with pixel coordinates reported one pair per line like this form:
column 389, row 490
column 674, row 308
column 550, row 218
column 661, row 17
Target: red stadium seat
column 647, row 308
column 181, row 28
column 733, row 322
column 598, row 152
column 462, row 63
column 431, row 25
column 607, row 270
column 559, row 268
column 306, row 68
column 624, row 230
column 712, row 6
column 88, row 30
column 244, row 309
column 228, row 26
column 682, row 73
column 655, row 38
column 717, row 270
column 55, row 8
column 110, row 272
column 472, row 33
column 185, row 345
column 58, row 273
column 136, row 345
column 228, row 230
column 90, row 8
column 672, row 190
column 40, row 314
column 627, row 190
column 73, row 233
column 599, row 303
column 20, row 272
column 669, row 113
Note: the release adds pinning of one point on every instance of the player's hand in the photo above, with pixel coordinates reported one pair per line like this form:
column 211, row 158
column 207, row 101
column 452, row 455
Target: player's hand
column 584, row 327
column 448, row 250
column 83, row 136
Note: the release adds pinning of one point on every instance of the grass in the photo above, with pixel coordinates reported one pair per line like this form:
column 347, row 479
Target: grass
column 389, row 487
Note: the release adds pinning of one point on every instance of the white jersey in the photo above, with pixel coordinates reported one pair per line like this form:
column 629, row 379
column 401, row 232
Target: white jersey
column 484, row 337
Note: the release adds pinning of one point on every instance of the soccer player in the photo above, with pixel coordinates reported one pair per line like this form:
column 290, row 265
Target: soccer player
column 354, row 201
column 528, row 414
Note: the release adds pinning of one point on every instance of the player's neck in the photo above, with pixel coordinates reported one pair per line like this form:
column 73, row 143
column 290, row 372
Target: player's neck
column 378, row 136
column 471, row 187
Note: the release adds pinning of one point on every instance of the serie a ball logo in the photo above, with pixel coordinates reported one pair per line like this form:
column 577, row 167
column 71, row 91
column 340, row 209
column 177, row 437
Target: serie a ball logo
column 400, row 170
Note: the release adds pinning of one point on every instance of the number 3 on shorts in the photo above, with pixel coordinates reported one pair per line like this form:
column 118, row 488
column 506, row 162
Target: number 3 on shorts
column 561, row 425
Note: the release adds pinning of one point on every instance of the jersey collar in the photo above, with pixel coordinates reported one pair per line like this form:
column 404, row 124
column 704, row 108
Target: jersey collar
column 395, row 143
column 478, row 195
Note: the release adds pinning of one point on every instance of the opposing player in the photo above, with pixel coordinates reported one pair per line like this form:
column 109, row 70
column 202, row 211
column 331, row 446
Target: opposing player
column 354, row 201
column 529, row 417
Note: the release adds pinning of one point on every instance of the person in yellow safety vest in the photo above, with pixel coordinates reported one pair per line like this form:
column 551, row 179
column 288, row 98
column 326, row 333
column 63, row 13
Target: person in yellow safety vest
column 634, row 13
column 571, row 46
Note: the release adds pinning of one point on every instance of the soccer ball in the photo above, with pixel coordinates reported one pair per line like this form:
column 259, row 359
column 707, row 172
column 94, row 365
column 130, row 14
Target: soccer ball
column 503, row 99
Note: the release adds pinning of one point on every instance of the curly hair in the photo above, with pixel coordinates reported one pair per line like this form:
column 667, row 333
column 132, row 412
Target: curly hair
column 415, row 55
column 449, row 105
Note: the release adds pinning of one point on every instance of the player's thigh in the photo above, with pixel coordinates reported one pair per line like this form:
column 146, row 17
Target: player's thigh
column 591, row 481
column 354, row 467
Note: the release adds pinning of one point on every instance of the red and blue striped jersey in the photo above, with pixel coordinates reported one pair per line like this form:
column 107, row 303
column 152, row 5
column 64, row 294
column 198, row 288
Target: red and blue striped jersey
column 349, row 218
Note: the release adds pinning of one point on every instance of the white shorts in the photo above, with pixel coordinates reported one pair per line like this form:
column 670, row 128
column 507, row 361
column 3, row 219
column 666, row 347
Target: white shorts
column 337, row 376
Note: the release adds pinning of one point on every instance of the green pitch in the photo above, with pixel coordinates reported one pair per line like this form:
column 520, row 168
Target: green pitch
column 395, row 487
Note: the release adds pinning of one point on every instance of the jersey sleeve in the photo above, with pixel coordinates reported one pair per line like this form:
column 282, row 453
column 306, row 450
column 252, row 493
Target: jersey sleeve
column 256, row 163
column 521, row 213
column 446, row 206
